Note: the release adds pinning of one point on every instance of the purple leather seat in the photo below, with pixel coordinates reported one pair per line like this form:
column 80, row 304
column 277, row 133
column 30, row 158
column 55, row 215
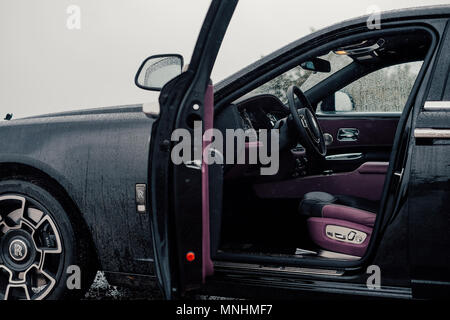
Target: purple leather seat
column 340, row 224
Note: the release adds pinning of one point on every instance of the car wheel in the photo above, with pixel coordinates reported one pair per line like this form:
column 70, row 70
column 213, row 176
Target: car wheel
column 38, row 245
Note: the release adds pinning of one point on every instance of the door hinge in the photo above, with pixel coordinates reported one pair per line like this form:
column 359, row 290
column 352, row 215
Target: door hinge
column 194, row 164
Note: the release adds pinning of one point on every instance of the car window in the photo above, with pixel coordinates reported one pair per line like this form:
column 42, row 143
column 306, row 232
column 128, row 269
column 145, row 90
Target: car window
column 385, row 90
column 304, row 79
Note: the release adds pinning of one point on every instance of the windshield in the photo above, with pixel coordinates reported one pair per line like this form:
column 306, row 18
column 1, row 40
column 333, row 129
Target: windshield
column 304, row 79
column 337, row 63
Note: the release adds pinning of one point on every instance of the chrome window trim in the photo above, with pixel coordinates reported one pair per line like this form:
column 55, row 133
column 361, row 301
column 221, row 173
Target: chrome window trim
column 429, row 133
column 437, row 106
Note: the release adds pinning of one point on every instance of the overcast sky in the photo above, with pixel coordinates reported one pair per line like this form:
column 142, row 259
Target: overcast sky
column 47, row 67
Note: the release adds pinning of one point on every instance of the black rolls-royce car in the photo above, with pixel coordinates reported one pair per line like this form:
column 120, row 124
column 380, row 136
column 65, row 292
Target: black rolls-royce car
column 357, row 206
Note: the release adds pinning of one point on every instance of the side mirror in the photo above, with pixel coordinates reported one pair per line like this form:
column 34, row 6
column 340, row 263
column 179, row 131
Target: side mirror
column 338, row 102
column 157, row 70
column 343, row 102
column 316, row 65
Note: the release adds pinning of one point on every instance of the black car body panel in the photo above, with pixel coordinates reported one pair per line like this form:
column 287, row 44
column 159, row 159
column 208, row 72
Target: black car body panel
column 97, row 156
column 429, row 209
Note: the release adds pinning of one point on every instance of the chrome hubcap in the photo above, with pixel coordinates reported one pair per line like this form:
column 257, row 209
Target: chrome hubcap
column 30, row 249
column 18, row 250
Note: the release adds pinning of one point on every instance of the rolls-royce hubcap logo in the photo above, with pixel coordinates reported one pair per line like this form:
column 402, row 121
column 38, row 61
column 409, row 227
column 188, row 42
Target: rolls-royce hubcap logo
column 18, row 250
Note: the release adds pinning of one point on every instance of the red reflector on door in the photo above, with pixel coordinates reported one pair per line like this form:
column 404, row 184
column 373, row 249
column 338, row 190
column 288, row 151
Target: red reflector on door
column 190, row 256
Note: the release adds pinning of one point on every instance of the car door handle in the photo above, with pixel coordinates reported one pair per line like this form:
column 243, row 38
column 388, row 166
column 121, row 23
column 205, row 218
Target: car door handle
column 347, row 134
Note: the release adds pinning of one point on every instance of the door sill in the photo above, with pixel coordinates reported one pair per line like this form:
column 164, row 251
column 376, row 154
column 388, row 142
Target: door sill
column 248, row 267
column 297, row 280
column 298, row 261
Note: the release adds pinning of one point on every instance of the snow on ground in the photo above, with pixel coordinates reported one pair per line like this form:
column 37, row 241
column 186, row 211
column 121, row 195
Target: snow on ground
column 102, row 290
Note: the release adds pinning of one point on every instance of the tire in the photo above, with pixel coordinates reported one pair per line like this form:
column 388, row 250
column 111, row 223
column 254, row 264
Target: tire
column 38, row 243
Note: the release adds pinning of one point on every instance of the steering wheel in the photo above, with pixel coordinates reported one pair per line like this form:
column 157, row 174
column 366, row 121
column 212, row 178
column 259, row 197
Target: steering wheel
column 305, row 121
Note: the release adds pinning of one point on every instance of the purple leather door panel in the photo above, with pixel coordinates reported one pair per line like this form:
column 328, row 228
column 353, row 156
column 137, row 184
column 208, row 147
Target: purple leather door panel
column 375, row 131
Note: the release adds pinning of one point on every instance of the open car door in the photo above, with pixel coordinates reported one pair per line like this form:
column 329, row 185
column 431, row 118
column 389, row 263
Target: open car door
column 180, row 192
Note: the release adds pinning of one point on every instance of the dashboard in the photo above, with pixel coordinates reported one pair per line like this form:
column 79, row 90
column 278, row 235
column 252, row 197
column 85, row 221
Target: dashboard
column 261, row 111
